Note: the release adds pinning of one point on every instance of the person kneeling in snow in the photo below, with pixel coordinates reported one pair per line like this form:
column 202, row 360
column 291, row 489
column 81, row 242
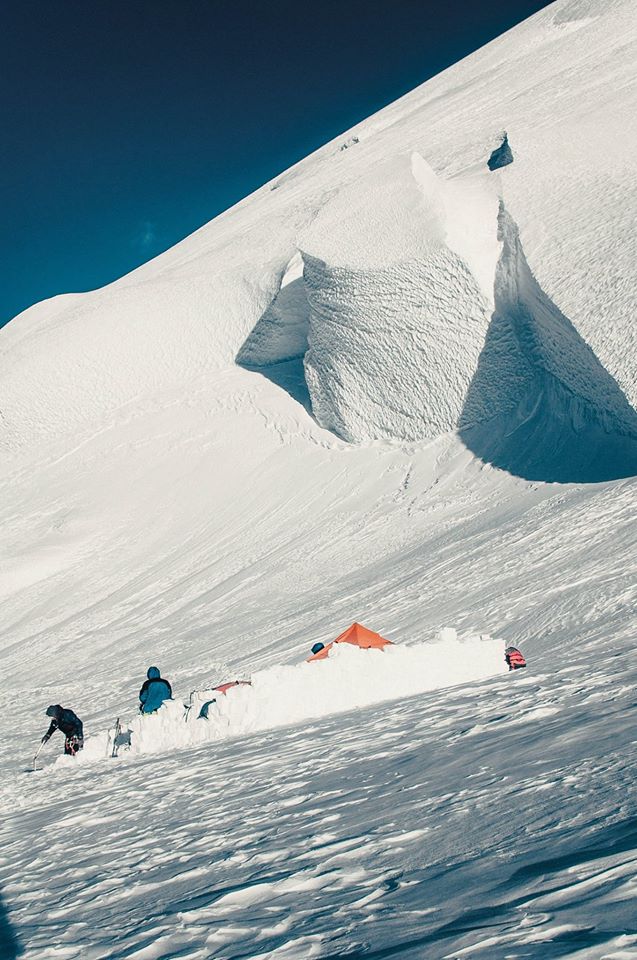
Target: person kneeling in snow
column 514, row 658
column 154, row 691
column 69, row 724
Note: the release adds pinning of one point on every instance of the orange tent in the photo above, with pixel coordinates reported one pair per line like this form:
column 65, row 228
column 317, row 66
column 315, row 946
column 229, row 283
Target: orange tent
column 359, row 636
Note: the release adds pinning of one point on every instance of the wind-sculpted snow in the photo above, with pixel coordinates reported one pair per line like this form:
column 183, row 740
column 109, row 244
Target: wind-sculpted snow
column 489, row 821
column 407, row 350
column 549, row 410
column 397, row 315
column 548, row 338
column 392, row 352
column 281, row 333
column 350, row 678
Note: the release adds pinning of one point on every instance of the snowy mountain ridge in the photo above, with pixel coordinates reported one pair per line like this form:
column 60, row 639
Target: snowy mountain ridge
column 191, row 309
column 392, row 386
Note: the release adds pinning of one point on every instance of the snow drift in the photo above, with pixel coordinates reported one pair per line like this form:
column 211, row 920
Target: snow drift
column 397, row 314
column 434, row 322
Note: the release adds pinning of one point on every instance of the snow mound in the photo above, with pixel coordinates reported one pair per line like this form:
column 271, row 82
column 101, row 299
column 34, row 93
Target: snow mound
column 125, row 342
column 282, row 695
column 438, row 323
column 398, row 272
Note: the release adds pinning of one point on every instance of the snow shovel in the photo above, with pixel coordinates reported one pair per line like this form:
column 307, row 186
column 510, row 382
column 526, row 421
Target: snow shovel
column 116, row 734
column 35, row 759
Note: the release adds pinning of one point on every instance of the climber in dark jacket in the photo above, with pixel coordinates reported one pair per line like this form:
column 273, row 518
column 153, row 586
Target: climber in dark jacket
column 154, row 691
column 69, row 724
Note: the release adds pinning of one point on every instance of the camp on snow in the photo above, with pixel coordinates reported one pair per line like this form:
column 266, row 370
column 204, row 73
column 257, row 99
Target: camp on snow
column 358, row 635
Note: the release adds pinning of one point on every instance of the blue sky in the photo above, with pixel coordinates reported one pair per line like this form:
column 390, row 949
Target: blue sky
column 127, row 124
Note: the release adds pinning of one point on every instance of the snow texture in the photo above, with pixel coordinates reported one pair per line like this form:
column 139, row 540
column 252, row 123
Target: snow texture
column 281, row 333
column 394, row 387
column 415, row 303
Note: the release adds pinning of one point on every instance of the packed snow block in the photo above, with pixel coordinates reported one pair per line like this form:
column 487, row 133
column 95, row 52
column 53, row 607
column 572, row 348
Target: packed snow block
column 392, row 352
column 501, row 156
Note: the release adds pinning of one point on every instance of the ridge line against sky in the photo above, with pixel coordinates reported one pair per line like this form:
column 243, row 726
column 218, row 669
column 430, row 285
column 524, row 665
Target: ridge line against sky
column 127, row 127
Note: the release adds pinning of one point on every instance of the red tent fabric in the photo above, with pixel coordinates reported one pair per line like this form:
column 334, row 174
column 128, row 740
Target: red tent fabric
column 224, row 687
column 359, row 636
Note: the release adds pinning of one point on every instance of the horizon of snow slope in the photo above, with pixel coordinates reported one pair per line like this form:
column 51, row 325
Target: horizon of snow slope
column 392, row 386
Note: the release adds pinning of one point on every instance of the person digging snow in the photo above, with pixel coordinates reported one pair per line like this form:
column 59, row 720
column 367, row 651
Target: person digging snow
column 70, row 725
column 154, row 691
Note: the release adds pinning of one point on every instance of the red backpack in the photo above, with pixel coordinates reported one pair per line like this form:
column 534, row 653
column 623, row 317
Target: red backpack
column 514, row 658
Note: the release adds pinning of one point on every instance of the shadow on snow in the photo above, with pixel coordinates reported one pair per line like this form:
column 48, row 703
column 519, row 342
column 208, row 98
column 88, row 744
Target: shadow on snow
column 561, row 417
column 10, row 948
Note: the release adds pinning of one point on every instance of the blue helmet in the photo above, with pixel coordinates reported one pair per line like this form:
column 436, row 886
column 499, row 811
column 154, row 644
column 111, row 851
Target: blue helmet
column 153, row 673
column 318, row 647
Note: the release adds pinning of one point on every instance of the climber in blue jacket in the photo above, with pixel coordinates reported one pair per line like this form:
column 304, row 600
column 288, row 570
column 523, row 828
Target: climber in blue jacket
column 154, row 691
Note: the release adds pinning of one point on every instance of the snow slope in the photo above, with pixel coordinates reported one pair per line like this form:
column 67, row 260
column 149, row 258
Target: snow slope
column 392, row 386
column 563, row 87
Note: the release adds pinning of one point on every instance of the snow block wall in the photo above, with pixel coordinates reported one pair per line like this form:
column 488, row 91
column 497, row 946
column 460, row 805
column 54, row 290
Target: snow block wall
column 347, row 680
